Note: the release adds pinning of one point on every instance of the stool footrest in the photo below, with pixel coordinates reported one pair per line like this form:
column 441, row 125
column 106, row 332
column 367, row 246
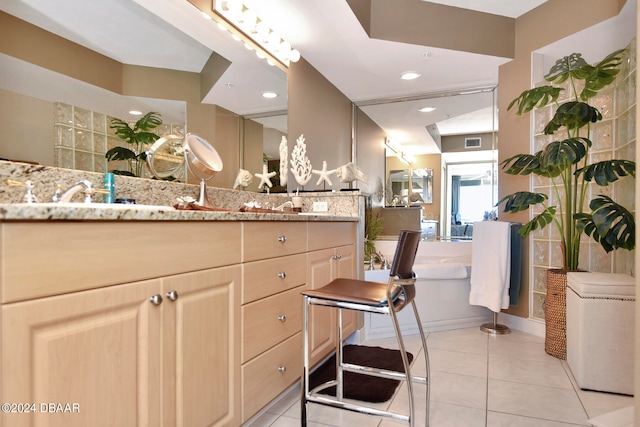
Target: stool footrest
column 326, row 401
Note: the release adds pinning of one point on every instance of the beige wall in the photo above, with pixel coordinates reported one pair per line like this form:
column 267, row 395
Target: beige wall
column 322, row 113
column 27, row 128
column 370, row 156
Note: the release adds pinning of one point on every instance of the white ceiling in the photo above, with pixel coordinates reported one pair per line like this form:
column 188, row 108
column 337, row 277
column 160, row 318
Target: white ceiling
column 172, row 34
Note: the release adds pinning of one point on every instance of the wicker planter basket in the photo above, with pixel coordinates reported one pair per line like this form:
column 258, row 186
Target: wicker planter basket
column 555, row 314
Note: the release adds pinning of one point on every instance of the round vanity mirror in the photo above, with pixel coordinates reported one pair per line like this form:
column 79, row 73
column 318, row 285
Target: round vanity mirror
column 166, row 157
column 203, row 161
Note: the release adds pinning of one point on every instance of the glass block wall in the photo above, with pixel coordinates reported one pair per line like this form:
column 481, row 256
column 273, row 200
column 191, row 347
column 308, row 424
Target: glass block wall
column 613, row 137
column 82, row 138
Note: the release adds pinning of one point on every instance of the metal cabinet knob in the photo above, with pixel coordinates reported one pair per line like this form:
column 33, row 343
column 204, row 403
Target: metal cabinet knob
column 282, row 239
column 338, row 256
column 173, row 295
column 156, row 299
column 282, row 318
column 282, row 369
column 282, row 274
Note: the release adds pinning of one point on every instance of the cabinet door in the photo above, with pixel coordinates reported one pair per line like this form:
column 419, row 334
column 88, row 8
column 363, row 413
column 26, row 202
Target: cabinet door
column 201, row 333
column 96, row 351
column 345, row 266
column 322, row 336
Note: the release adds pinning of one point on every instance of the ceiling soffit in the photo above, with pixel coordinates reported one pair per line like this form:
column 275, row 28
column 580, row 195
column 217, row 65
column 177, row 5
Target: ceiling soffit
column 435, row 25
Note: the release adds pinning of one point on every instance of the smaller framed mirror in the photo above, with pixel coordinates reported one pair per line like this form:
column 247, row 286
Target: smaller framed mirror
column 422, row 185
column 410, row 186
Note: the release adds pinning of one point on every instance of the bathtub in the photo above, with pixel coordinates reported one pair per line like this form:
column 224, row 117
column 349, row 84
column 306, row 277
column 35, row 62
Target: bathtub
column 442, row 291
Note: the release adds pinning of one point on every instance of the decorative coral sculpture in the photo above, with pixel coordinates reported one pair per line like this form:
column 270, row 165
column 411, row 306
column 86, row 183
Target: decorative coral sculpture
column 300, row 163
column 284, row 159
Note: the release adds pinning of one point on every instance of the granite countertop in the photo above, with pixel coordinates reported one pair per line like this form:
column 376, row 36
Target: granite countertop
column 81, row 212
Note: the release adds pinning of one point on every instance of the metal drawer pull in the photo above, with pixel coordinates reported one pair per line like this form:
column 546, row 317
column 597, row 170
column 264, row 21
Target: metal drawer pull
column 156, row 299
column 282, row 318
column 282, row 274
column 282, row 239
column 282, row 369
column 338, row 256
column 173, row 295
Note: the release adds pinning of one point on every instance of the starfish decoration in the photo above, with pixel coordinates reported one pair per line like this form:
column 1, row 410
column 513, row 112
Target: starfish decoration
column 323, row 175
column 265, row 177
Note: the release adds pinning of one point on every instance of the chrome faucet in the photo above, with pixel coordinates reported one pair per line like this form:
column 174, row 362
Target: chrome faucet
column 84, row 185
column 282, row 206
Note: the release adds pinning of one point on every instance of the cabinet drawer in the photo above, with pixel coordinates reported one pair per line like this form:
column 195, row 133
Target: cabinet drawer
column 268, row 375
column 268, row 277
column 324, row 235
column 44, row 258
column 269, row 321
column 272, row 239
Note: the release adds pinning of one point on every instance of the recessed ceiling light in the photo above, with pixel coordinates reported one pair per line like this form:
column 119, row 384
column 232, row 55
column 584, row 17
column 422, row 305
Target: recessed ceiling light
column 135, row 112
column 409, row 75
column 269, row 94
column 206, row 16
column 427, row 109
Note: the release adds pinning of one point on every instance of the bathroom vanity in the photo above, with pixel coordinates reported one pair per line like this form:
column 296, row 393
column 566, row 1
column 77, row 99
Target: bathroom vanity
column 163, row 321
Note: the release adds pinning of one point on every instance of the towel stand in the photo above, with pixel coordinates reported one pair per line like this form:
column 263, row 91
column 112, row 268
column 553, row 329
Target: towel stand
column 495, row 328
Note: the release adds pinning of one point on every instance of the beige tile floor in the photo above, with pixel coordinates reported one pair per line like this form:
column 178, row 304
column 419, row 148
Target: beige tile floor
column 476, row 380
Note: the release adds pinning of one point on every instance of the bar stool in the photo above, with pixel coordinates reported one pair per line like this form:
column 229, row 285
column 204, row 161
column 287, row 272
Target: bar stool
column 386, row 298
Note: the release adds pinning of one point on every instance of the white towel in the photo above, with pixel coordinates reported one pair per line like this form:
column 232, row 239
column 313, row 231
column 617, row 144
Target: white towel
column 490, row 264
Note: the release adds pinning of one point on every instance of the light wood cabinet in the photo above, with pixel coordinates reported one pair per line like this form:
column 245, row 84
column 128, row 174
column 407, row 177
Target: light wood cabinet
column 275, row 274
column 331, row 255
column 221, row 339
column 201, row 330
column 324, row 266
column 98, row 349
column 125, row 360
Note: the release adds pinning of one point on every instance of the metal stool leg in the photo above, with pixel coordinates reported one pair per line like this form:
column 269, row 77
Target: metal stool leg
column 305, row 364
column 426, row 360
column 339, row 359
column 405, row 362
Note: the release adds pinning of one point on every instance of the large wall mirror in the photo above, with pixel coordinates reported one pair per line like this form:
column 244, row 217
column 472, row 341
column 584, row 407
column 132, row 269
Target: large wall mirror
column 170, row 39
column 446, row 155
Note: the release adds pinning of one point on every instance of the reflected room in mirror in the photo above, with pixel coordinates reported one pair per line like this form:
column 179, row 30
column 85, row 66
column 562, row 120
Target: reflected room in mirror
column 410, row 187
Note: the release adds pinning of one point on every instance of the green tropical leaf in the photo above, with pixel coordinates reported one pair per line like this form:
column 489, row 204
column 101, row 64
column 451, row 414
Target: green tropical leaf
column 558, row 155
column 123, row 130
column 535, row 98
column 521, row 201
column 602, row 74
column 570, row 66
column 609, row 224
column 540, row 221
column 525, row 164
column 146, row 137
column 149, row 121
column 573, row 115
column 120, row 153
column 607, row 171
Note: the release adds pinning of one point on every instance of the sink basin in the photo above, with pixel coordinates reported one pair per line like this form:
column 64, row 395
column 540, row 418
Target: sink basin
column 119, row 206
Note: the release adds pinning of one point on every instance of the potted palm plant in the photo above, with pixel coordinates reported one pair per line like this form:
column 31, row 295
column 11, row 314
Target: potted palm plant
column 566, row 162
column 137, row 137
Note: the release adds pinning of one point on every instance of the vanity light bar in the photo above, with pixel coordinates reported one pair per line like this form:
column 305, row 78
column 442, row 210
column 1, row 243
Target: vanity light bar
column 246, row 26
